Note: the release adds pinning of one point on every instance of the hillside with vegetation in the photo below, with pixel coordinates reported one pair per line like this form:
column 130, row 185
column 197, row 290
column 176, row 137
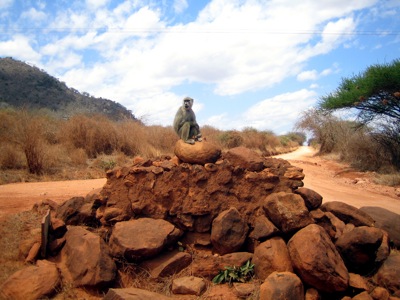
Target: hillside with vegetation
column 24, row 85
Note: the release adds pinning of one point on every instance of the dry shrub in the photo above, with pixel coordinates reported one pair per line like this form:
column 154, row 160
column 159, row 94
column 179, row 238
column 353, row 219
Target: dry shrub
column 161, row 139
column 211, row 134
column 132, row 138
column 231, row 139
column 95, row 134
column 263, row 141
column 388, row 179
column 29, row 136
column 11, row 158
column 78, row 156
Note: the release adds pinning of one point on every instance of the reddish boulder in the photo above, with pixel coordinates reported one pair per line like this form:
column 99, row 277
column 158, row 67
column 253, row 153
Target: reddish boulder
column 189, row 285
column 380, row 293
column 167, row 264
column 348, row 213
column 357, row 282
column 270, row 256
column 199, row 153
column 332, row 224
column 229, row 231
column 287, row 211
column 359, row 248
column 263, row 229
column 362, row 296
column 388, row 275
column 31, row 283
column 316, row 260
column 312, row 199
column 133, row 294
column 245, row 158
column 312, row 294
column 76, row 211
column 386, row 220
column 282, row 286
column 85, row 259
column 142, row 238
column 208, row 266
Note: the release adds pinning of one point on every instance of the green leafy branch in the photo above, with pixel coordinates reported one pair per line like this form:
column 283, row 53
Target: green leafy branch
column 235, row 274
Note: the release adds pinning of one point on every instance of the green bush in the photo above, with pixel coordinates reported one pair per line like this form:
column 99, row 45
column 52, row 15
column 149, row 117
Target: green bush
column 235, row 274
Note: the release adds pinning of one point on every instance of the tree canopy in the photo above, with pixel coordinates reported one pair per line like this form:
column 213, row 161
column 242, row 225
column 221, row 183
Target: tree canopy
column 375, row 94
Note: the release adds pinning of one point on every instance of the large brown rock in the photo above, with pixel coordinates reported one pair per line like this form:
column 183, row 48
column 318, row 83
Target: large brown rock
column 85, row 259
column 199, row 153
column 287, row 211
column 270, row 256
column 327, row 220
column 348, row 213
column 133, row 294
column 34, row 282
column 312, row 199
column 189, row 285
column 245, row 158
column 316, row 260
column 263, row 229
column 388, row 275
column 282, row 286
column 167, row 264
column 143, row 238
column 78, row 210
column 209, row 266
column 386, row 220
column 229, row 231
column 359, row 248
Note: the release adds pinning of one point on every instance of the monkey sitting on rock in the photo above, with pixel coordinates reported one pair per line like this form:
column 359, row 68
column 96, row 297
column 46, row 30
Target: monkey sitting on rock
column 185, row 124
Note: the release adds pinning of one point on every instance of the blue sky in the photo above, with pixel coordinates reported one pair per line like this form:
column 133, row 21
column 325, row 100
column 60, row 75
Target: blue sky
column 246, row 63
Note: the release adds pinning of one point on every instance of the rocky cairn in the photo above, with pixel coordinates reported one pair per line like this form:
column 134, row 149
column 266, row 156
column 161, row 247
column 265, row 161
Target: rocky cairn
column 192, row 215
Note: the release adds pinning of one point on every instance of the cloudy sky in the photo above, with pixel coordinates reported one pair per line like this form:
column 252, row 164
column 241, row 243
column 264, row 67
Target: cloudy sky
column 255, row 63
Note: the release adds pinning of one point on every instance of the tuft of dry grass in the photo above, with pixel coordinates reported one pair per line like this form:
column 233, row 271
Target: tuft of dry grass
column 14, row 230
column 388, row 179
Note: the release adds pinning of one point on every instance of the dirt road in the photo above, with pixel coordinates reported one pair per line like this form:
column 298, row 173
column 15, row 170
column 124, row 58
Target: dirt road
column 332, row 180
column 337, row 182
column 17, row 197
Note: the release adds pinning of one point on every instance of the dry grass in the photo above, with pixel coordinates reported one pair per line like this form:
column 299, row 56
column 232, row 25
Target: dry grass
column 388, row 179
column 37, row 146
column 14, row 231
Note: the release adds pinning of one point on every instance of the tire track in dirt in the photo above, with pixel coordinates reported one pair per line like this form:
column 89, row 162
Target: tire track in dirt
column 327, row 178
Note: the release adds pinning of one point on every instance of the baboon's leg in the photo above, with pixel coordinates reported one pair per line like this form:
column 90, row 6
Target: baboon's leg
column 185, row 131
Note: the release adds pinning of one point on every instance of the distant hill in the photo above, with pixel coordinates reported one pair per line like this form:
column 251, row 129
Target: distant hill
column 23, row 85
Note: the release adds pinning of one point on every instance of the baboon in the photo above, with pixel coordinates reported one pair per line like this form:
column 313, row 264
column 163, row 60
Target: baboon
column 185, row 124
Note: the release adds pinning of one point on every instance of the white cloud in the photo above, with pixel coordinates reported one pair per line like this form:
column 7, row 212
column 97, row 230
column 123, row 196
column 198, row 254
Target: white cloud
column 180, row 6
column 270, row 113
column 5, row 3
column 307, row 75
column 34, row 15
column 19, row 46
column 313, row 74
column 93, row 4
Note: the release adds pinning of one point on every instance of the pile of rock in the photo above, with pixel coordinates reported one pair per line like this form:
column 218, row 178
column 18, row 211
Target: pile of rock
column 168, row 217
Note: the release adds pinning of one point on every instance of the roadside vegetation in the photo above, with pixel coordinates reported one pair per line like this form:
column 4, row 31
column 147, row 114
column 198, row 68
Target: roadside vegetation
column 371, row 140
column 36, row 145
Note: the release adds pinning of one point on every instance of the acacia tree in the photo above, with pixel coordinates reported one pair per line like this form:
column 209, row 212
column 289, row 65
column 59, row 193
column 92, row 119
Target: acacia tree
column 375, row 96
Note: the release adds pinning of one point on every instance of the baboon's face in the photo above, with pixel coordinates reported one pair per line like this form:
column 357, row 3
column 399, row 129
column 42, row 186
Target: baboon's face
column 187, row 104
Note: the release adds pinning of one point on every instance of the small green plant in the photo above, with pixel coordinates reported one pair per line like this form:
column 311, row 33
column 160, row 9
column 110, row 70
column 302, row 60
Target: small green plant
column 107, row 164
column 235, row 274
